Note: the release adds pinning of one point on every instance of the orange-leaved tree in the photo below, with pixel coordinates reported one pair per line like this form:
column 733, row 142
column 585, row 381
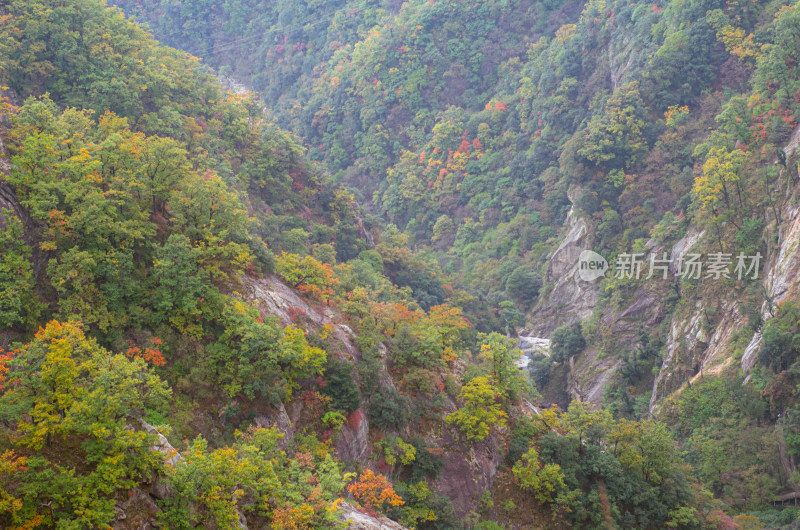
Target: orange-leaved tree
column 308, row 275
column 374, row 491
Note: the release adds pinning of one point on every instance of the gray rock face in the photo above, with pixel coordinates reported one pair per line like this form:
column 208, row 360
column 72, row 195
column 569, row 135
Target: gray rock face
column 683, row 247
column 469, row 470
column 571, row 299
column 5, row 166
column 353, row 445
column 690, row 345
column 137, row 512
column 779, row 276
column 282, row 422
column 8, row 200
column 691, row 349
column 279, row 300
column 171, row 455
column 686, row 339
column 710, row 351
column 160, row 487
column 589, row 376
column 356, row 520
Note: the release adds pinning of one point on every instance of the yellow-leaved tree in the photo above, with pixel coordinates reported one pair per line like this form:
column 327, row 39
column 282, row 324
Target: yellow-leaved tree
column 481, row 410
column 718, row 191
column 72, row 404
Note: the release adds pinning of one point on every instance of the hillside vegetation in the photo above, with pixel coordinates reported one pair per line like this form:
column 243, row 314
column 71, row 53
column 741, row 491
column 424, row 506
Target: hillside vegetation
column 209, row 321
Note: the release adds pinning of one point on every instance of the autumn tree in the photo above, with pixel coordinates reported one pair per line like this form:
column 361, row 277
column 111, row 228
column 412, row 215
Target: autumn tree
column 71, row 396
column 308, row 275
column 395, row 449
column 546, row 481
column 718, row 190
column 419, row 339
column 448, row 321
column 254, row 356
column 374, row 491
column 501, row 353
column 254, row 476
column 615, row 138
column 480, row 411
column 12, row 465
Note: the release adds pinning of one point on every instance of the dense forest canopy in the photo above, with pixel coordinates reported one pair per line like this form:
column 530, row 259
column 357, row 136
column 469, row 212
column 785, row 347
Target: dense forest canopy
column 273, row 276
column 474, row 125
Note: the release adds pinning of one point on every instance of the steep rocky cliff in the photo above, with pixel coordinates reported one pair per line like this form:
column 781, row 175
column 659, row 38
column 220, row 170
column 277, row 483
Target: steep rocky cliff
column 702, row 334
column 709, row 348
column 570, row 299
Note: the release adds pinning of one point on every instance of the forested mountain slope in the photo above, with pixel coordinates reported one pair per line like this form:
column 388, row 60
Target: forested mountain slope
column 202, row 326
column 474, row 125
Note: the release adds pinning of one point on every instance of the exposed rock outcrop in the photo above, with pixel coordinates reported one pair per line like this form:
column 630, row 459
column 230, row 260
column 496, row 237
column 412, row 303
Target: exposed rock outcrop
column 279, row 300
column 171, row 455
column 571, row 298
column 353, row 445
column 589, row 376
column 469, row 470
column 138, row 512
column 7, row 198
column 691, row 345
column 694, row 347
column 280, row 421
column 779, row 277
column 695, row 344
column 356, row 520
